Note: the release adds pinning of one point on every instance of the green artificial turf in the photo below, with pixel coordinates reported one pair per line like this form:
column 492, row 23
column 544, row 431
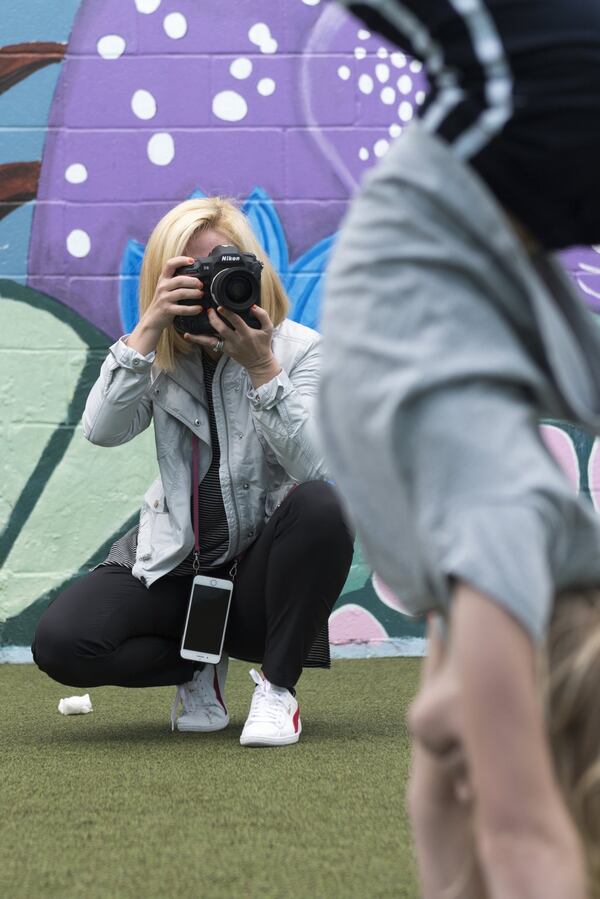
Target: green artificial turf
column 112, row 804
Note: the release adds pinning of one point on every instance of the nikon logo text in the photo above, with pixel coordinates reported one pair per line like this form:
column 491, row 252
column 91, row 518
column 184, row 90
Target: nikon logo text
column 230, row 258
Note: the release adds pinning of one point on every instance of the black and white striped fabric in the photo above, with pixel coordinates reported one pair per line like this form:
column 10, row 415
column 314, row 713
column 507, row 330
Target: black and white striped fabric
column 515, row 92
column 214, row 531
column 465, row 58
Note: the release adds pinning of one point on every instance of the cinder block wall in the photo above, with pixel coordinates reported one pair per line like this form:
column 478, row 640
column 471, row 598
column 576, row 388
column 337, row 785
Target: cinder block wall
column 112, row 112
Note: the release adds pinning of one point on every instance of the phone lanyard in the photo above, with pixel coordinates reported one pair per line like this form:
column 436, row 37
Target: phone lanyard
column 196, row 485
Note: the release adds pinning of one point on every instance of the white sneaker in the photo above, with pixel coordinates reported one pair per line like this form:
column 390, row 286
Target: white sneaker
column 203, row 700
column 274, row 717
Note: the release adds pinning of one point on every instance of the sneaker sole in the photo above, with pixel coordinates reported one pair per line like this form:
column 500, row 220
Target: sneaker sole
column 270, row 741
column 200, row 729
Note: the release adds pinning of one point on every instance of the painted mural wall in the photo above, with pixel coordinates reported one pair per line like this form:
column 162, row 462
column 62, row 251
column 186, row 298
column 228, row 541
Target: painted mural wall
column 113, row 111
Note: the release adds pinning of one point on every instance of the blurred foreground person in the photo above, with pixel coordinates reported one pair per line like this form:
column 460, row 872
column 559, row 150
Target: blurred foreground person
column 449, row 330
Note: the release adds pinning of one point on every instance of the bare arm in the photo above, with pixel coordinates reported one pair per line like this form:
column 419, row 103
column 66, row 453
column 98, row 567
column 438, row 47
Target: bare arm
column 525, row 840
column 442, row 824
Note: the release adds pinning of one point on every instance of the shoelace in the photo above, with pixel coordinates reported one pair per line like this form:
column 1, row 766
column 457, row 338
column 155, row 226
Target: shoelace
column 267, row 702
column 198, row 696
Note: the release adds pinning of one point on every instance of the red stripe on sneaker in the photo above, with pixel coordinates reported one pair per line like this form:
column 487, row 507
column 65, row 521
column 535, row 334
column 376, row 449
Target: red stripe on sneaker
column 295, row 721
column 217, row 690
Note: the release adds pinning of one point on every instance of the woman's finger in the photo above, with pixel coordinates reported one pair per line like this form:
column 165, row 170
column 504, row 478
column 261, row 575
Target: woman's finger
column 234, row 319
column 220, row 327
column 171, row 265
column 184, row 293
column 263, row 317
column 179, row 309
column 178, row 281
column 204, row 340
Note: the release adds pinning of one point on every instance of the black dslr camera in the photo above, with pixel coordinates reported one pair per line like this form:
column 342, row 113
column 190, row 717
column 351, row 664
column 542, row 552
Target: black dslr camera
column 231, row 279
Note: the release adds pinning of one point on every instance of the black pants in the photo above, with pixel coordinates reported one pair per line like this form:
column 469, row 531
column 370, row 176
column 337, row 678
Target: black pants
column 108, row 629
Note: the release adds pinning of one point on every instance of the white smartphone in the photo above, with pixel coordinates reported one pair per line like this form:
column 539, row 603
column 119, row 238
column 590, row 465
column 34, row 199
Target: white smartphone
column 207, row 614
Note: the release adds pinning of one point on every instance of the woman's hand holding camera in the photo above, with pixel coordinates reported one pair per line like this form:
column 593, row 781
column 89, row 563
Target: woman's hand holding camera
column 250, row 347
column 165, row 305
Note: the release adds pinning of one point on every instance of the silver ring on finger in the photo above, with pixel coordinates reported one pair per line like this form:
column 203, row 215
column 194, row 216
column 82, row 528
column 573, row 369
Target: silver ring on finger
column 217, row 348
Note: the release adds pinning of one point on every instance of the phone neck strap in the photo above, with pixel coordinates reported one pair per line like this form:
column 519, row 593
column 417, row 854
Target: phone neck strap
column 196, row 483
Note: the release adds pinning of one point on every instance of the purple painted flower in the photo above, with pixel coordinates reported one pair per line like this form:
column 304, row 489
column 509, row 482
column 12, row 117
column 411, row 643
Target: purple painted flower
column 583, row 263
column 157, row 97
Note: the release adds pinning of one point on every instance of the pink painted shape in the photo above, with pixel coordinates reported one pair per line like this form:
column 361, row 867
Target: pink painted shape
column 561, row 447
column 387, row 595
column 594, row 475
column 353, row 624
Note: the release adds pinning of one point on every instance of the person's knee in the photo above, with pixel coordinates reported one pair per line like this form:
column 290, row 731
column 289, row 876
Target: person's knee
column 53, row 650
column 318, row 505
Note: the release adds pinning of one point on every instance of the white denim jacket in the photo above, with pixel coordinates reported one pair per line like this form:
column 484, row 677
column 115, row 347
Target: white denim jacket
column 267, row 438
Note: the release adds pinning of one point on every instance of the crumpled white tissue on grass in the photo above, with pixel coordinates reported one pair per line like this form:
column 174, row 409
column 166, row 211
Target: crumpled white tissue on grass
column 75, row 705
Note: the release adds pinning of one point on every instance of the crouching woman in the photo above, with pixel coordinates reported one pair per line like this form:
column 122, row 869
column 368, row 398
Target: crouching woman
column 267, row 515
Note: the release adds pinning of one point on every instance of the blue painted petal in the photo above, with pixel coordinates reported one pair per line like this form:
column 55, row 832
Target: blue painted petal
column 267, row 227
column 315, row 259
column 131, row 264
column 306, row 309
column 305, row 282
column 197, row 195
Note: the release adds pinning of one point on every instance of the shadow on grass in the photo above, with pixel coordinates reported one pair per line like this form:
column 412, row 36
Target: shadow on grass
column 80, row 729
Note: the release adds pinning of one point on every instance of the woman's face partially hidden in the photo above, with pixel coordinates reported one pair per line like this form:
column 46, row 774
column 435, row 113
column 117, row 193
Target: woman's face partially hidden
column 203, row 243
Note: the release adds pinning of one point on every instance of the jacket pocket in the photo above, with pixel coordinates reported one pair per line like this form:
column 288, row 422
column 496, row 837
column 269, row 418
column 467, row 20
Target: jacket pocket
column 154, row 497
column 154, row 534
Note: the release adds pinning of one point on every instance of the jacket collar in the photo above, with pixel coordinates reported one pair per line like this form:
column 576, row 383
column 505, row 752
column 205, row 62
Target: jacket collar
column 188, row 373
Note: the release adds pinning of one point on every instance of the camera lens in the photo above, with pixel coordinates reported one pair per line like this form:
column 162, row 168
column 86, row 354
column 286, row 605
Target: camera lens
column 238, row 289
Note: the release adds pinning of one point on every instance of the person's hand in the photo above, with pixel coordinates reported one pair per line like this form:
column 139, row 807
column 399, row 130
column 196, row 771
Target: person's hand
column 250, row 347
column 170, row 289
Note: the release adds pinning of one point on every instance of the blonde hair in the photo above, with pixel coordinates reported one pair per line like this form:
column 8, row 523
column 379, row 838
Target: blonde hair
column 572, row 687
column 170, row 238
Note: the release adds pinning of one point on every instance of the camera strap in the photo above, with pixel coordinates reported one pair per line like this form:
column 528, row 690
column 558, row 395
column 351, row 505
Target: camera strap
column 196, row 516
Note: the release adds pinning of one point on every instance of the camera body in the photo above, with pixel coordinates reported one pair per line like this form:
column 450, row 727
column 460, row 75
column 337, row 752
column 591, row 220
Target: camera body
column 231, row 279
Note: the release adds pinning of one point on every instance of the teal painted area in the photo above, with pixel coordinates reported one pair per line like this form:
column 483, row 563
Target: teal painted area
column 19, row 630
column 27, row 105
column 90, row 334
column 396, row 625
column 46, row 542
column 22, row 146
column 50, row 457
column 37, row 20
column 583, row 443
column 14, row 242
column 24, row 111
